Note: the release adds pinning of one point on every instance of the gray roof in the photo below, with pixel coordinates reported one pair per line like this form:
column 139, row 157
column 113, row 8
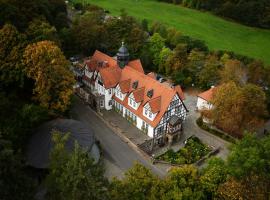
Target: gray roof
column 40, row 143
column 174, row 120
column 123, row 51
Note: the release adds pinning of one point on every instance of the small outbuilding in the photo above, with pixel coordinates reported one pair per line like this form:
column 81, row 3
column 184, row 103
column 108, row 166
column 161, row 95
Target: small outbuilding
column 41, row 143
column 204, row 99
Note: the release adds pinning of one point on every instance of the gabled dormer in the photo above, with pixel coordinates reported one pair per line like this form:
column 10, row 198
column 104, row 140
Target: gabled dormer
column 132, row 102
column 147, row 112
column 119, row 94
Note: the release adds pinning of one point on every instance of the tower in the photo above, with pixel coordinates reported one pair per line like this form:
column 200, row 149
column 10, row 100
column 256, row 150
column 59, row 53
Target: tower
column 122, row 56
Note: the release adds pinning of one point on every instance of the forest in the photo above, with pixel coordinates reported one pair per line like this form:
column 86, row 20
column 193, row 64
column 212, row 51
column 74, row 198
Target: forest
column 249, row 12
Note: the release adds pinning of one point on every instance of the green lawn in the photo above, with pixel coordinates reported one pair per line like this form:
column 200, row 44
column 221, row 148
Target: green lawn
column 219, row 34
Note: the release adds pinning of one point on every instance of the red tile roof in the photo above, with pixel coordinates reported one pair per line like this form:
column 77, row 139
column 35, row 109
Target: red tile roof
column 99, row 56
column 180, row 92
column 208, row 94
column 153, row 75
column 162, row 93
column 124, row 86
column 137, row 65
column 155, row 104
column 138, row 94
column 110, row 76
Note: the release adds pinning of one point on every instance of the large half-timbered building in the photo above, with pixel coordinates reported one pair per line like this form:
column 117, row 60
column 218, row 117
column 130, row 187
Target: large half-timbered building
column 153, row 106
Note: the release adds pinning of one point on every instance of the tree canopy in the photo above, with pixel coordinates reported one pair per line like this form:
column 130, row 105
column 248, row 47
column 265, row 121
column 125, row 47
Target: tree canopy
column 48, row 67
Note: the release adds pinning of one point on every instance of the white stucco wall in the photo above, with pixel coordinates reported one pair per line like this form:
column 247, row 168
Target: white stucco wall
column 108, row 98
column 150, row 131
column 203, row 104
column 139, row 123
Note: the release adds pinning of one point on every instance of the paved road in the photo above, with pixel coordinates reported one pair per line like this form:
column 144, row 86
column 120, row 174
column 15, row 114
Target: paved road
column 118, row 156
column 191, row 128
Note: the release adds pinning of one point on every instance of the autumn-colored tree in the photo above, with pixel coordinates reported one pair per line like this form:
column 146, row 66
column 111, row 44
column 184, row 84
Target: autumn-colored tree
column 48, row 67
column 233, row 71
column 248, row 188
column 237, row 109
column 177, row 60
column 209, row 75
column 12, row 45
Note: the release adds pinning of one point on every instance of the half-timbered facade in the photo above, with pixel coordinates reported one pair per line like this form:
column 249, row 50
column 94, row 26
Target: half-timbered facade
column 145, row 101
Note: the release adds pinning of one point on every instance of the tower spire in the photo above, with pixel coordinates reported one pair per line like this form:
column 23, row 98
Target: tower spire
column 122, row 56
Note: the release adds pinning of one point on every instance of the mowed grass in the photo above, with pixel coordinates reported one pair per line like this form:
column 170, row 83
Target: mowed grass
column 219, row 34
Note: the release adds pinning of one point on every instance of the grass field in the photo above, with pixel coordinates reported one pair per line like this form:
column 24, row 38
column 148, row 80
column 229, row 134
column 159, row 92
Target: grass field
column 219, row 34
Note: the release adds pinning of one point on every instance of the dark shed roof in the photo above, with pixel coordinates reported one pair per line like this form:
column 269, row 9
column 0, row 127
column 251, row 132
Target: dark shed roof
column 174, row 120
column 40, row 143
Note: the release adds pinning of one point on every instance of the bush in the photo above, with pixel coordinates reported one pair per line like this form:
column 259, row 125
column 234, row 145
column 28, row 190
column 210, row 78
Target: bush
column 193, row 151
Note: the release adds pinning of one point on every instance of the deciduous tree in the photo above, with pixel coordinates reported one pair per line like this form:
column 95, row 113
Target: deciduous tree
column 48, row 67
column 233, row 71
column 39, row 30
column 209, row 75
column 74, row 175
column 12, row 45
column 237, row 109
column 136, row 185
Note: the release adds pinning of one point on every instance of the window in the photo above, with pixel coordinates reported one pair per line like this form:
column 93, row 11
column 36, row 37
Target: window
column 134, row 104
column 150, row 114
column 101, row 103
column 159, row 130
column 110, row 92
column 130, row 101
column 110, row 102
column 145, row 112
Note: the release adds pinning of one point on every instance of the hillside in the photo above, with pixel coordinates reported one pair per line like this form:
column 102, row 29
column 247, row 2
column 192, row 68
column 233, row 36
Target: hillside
column 218, row 33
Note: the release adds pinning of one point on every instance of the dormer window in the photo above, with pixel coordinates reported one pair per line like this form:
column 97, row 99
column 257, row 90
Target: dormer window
column 150, row 93
column 150, row 114
column 135, row 85
column 146, row 112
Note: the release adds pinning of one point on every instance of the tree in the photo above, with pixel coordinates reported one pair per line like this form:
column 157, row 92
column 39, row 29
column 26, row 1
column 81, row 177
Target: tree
column 214, row 174
column 159, row 28
column 163, row 56
column 184, row 183
column 177, row 60
column 250, row 156
column 195, row 62
column 74, row 175
column 209, row 75
column 88, row 32
column 136, row 185
column 233, row 71
column 238, row 109
column 155, row 45
column 250, row 188
column 47, row 66
column 14, row 184
column 39, row 30
column 127, row 29
column 12, row 44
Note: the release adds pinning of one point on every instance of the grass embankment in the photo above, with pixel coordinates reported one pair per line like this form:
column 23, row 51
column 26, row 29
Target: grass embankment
column 219, row 34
